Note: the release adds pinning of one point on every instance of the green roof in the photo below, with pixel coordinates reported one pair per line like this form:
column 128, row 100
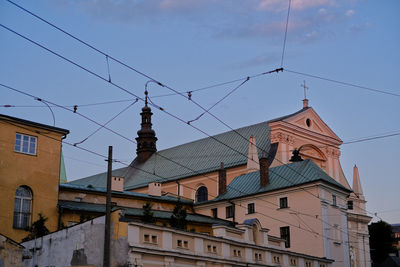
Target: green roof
column 102, row 190
column 63, row 173
column 190, row 159
column 280, row 177
column 137, row 212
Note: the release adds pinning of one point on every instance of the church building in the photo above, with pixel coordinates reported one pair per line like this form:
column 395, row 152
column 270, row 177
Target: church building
column 285, row 173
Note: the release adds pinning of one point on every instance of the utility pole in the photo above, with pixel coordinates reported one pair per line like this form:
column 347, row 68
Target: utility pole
column 107, row 228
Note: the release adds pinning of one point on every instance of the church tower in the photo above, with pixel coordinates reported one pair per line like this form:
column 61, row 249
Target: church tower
column 146, row 140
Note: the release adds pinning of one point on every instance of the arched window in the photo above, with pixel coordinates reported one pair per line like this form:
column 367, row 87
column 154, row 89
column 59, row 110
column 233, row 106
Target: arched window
column 22, row 208
column 202, row 194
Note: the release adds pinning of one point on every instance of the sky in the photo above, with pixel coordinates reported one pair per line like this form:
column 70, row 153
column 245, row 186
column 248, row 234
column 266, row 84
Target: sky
column 188, row 45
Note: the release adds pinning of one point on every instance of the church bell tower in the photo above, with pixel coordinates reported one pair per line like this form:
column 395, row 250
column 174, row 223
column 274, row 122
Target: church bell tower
column 146, row 140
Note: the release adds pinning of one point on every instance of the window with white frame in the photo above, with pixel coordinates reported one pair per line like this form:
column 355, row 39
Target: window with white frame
column 283, row 203
column 25, row 144
column 251, row 208
column 22, row 208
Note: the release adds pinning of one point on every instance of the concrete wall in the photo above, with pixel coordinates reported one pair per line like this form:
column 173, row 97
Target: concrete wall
column 10, row 252
column 85, row 240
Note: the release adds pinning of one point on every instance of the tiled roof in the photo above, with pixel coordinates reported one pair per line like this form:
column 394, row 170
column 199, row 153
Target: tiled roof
column 190, row 159
column 136, row 212
column 280, row 177
column 102, row 190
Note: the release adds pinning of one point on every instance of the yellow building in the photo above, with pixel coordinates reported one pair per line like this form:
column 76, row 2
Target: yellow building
column 30, row 156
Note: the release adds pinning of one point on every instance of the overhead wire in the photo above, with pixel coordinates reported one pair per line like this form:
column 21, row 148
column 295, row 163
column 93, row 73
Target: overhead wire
column 286, row 30
column 89, row 45
column 237, row 204
column 163, row 178
column 343, row 83
column 154, row 105
column 110, row 120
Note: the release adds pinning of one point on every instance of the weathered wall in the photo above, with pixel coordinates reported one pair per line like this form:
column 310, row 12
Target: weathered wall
column 86, row 240
column 10, row 253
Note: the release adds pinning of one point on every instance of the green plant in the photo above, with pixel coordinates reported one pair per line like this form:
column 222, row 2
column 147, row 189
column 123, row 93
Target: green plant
column 38, row 229
column 147, row 213
column 178, row 217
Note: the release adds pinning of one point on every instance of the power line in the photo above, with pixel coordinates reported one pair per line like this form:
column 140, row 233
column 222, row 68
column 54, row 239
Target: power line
column 236, row 204
column 219, row 101
column 342, row 83
column 108, row 56
column 152, row 103
column 110, row 120
column 71, row 106
column 132, row 166
column 110, row 79
column 371, row 138
column 193, row 188
column 286, row 30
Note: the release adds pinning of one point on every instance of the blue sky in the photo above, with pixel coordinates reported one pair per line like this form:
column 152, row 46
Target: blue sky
column 190, row 44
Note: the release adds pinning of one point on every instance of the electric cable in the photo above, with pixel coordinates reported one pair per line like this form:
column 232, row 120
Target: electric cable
column 342, row 83
column 286, row 30
column 156, row 106
column 110, row 120
column 127, row 91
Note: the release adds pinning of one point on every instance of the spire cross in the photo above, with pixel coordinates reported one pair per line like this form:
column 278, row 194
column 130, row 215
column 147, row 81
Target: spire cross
column 305, row 87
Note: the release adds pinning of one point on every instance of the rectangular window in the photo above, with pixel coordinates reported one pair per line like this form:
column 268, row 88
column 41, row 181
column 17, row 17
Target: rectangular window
column 334, row 200
column 251, row 208
column 285, row 234
column 283, row 202
column 214, row 213
column 229, row 212
column 25, row 144
column 350, row 204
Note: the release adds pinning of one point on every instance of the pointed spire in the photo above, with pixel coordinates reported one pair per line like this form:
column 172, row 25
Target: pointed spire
column 252, row 156
column 356, row 183
column 146, row 140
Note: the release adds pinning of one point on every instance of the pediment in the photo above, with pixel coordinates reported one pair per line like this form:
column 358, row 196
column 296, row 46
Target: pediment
column 311, row 121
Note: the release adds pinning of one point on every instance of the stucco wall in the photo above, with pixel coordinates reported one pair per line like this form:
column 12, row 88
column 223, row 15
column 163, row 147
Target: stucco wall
column 39, row 172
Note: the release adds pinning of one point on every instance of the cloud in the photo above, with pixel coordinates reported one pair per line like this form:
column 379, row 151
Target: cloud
column 349, row 13
column 225, row 19
column 262, row 60
column 281, row 5
column 357, row 28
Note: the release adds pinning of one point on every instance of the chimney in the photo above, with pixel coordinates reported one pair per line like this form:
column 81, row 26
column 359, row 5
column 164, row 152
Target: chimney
column 221, row 180
column 252, row 156
column 264, row 171
column 117, row 184
column 155, row 189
